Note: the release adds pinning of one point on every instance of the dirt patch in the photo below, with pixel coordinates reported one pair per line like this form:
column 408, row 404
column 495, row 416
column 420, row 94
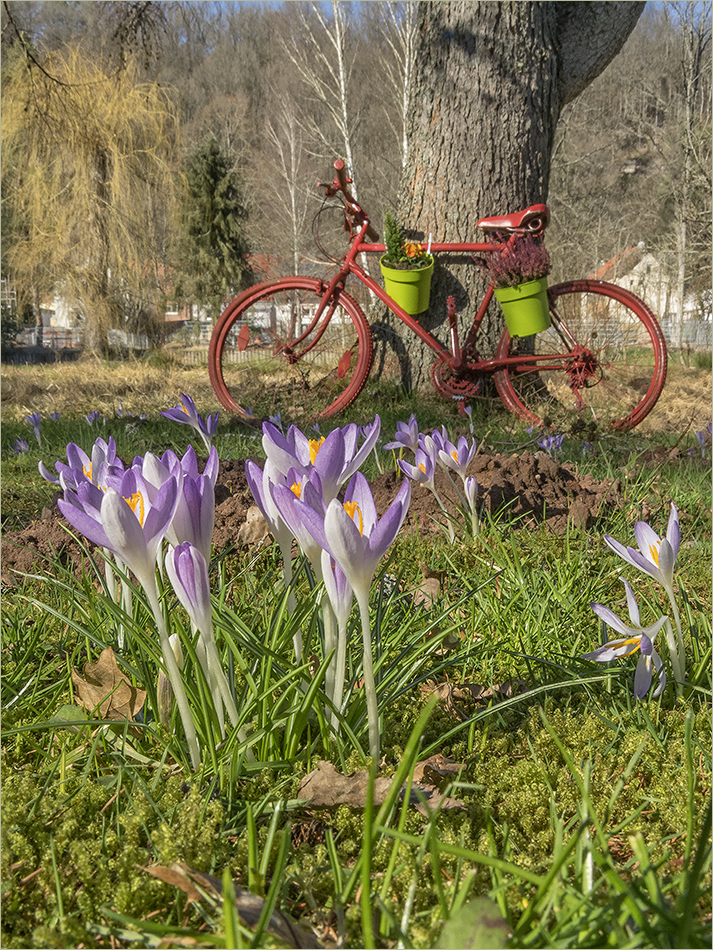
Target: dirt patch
column 524, row 490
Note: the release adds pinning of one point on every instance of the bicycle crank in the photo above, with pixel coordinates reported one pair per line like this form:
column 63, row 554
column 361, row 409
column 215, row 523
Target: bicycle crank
column 452, row 385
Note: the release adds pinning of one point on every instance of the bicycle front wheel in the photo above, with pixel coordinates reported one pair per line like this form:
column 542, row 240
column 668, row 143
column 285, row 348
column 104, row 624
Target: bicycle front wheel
column 601, row 365
column 268, row 354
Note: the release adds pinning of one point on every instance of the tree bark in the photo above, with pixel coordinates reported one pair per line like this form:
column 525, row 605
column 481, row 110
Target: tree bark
column 491, row 79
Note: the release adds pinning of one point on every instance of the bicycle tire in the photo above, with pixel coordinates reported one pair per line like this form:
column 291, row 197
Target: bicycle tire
column 260, row 365
column 603, row 362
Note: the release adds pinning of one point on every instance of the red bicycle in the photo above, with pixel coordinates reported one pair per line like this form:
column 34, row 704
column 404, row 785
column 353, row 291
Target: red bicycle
column 301, row 346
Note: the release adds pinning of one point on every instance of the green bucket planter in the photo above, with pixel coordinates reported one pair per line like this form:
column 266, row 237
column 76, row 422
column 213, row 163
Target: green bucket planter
column 410, row 289
column 525, row 307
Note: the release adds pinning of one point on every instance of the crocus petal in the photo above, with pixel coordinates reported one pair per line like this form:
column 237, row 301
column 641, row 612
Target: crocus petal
column 642, row 677
column 673, row 532
column 610, row 618
column 347, row 546
column 358, row 457
column 82, row 520
column 125, row 535
column 386, row 530
column 359, row 493
column 632, row 605
column 47, row 475
column 330, row 462
column 667, row 562
column 212, row 466
column 280, row 452
column 648, row 541
column 613, row 650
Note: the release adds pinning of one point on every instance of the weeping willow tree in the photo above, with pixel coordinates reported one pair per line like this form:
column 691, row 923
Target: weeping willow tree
column 88, row 186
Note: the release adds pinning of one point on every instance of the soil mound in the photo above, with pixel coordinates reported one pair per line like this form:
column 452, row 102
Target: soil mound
column 525, row 489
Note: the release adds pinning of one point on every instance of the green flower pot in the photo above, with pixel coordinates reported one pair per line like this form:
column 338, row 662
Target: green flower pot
column 525, row 307
column 410, row 289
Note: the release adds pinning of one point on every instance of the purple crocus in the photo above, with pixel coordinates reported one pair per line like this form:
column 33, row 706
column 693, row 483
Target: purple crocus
column 406, row 436
column 92, row 416
column 423, row 469
column 20, row 446
column 656, row 556
column 289, row 498
column 54, row 416
column 81, row 467
column 129, row 523
column 335, row 457
column 357, row 540
column 260, row 483
column 634, row 638
column 124, row 519
column 187, row 570
column 35, row 420
column 457, row 459
column 194, row 517
column 187, row 414
column 551, row 444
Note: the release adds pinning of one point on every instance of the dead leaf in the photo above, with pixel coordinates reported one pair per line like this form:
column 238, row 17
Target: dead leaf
column 254, row 529
column 105, row 687
column 327, row 788
column 248, row 905
column 426, row 592
column 176, row 878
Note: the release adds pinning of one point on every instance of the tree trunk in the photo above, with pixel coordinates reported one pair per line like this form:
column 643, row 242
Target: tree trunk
column 491, row 79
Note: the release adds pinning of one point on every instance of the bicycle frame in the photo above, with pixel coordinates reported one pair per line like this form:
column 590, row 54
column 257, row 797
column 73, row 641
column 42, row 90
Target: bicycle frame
column 452, row 359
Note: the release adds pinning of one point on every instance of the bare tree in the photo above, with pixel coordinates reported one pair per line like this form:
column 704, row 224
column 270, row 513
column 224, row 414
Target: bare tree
column 285, row 177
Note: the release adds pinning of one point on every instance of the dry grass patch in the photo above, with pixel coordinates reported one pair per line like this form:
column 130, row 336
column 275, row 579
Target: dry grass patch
column 77, row 388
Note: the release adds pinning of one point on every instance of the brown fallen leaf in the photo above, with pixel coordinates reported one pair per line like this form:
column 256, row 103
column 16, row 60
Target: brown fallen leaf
column 254, row 529
column 327, row 788
column 248, row 905
column 105, row 687
column 426, row 592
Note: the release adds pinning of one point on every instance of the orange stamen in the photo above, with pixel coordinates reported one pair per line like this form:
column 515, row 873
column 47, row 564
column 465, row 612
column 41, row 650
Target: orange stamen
column 314, row 446
column 454, row 456
column 88, row 472
column 634, row 643
column 137, row 501
column 654, row 552
column 351, row 509
column 423, row 468
column 296, row 489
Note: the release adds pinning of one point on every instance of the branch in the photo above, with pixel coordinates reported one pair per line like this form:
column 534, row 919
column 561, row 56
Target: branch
column 589, row 36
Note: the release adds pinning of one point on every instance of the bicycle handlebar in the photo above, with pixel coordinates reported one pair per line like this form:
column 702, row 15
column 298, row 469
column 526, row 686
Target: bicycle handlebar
column 340, row 183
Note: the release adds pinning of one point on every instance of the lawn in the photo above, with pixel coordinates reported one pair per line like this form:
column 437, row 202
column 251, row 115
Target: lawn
column 521, row 795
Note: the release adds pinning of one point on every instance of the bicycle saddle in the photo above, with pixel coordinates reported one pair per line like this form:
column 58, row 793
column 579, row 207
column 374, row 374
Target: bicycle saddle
column 532, row 219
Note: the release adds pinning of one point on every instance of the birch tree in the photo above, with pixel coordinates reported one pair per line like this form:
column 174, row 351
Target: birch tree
column 319, row 51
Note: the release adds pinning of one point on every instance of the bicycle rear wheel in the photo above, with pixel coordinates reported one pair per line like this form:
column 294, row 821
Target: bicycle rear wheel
column 601, row 365
column 268, row 355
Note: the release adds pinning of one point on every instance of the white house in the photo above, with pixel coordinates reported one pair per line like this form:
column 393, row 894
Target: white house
column 639, row 271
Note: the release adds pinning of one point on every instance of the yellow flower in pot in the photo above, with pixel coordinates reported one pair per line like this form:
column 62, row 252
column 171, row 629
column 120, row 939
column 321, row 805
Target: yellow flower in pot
column 406, row 268
column 519, row 275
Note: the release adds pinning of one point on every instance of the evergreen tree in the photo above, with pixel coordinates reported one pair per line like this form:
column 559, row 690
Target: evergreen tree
column 213, row 249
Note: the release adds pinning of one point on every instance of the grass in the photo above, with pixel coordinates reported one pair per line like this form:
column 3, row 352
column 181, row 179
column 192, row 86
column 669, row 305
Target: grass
column 585, row 818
